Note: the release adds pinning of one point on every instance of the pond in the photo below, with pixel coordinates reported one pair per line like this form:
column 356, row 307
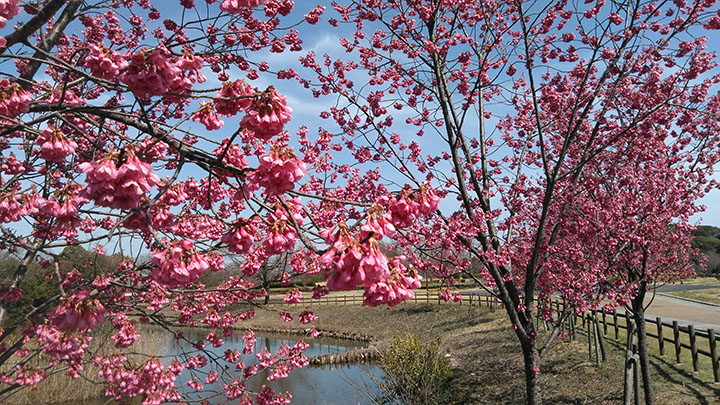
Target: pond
column 336, row 384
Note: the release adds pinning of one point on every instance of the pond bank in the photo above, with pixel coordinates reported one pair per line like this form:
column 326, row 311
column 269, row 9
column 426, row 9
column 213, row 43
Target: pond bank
column 488, row 362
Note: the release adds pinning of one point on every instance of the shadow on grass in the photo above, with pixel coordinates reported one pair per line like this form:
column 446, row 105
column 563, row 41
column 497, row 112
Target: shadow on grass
column 450, row 324
column 660, row 366
column 417, row 309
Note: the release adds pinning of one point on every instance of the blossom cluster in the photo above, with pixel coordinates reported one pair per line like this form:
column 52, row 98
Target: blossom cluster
column 78, row 311
column 357, row 263
column 119, row 180
column 178, row 264
column 278, row 171
column 54, row 145
column 13, row 99
column 152, row 380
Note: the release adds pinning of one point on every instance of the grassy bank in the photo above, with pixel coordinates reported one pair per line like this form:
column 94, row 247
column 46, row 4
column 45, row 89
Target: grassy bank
column 488, row 362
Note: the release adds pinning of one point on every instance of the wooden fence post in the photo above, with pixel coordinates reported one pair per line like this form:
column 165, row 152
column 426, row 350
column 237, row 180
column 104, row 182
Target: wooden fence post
column 693, row 347
column 563, row 322
column 604, row 321
column 596, row 329
column 630, row 365
column 636, row 382
column 714, row 355
column 589, row 334
column 661, row 341
column 676, row 338
column 627, row 321
column 600, row 340
column 615, row 323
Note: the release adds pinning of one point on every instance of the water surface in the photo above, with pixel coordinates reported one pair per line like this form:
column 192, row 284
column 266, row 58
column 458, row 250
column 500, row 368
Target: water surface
column 337, row 384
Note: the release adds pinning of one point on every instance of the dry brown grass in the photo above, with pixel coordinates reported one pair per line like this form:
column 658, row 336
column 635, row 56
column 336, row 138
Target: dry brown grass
column 59, row 388
column 489, row 363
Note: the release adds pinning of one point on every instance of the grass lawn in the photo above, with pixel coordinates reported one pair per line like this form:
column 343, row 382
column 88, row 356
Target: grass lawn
column 702, row 281
column 488, row 362
column 708, row 295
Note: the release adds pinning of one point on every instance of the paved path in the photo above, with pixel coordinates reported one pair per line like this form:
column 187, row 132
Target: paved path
column 685, row 312
column 669, row 308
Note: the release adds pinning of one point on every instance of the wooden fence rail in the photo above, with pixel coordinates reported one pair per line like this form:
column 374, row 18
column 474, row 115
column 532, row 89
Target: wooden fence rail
column 676, row 335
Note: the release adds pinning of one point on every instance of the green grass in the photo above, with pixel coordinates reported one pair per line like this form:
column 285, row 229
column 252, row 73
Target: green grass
column 671, row 378
column 711, row 295
column 702, row 281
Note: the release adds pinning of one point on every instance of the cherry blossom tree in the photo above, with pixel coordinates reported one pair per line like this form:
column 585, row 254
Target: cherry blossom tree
column 512, row 111
column 631, row 225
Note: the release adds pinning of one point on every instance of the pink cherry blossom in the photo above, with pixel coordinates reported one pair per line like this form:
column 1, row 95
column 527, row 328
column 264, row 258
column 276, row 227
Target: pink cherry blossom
column 307, row 316
column 179, row 264
column 320, row 291
column 267, row 115
column 397, row 287
column 8, row 10
column 191, row 64
column 234, row 97
column 293, row 296
column 241, row 237
column 120, row 186
column 9, row 208
column 54, row 145
column 78, row 311
column 126, row 333
column 104, row 63
column 206, row 115
column 150, row 73
column 237, row 6
column 13, row 99
column 278, row 171
column 282, row 235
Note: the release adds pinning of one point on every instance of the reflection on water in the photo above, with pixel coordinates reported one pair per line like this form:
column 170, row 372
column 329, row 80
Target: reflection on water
column 339, row 384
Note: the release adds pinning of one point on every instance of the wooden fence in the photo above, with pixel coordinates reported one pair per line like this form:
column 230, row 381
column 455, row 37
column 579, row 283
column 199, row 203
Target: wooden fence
column 676, row 337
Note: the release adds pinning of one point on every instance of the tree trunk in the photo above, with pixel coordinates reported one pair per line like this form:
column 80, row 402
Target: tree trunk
column 639, row 316
column 532, row 373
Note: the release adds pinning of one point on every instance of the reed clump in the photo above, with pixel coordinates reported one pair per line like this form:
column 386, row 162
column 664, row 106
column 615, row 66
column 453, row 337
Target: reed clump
column 59, row 388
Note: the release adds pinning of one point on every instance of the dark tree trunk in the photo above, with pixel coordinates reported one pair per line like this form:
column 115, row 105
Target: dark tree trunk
column 639, row 316
column 531, row 359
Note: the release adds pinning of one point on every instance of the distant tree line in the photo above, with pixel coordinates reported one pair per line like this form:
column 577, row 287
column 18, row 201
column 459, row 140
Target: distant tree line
column 40, row 287
column 707, row 241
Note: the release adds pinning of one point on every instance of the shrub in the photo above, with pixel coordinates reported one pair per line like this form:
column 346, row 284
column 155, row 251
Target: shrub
column 415, row 372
